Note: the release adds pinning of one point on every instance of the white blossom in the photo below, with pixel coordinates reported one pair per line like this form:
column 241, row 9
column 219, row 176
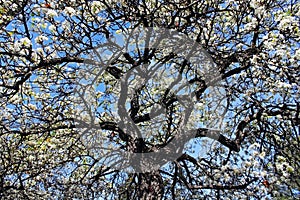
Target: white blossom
column 255, row 4
column 17, row 46
column 69, row 11
column 40, row 39
column 14, row 6
column 39, row 51
column 52, row 28
column 262, row 155
column 96, row 7
column 51, row 13
column 25, row 41
column 251, row 25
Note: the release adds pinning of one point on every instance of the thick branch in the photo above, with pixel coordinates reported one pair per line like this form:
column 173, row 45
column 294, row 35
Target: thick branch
column 215, row 134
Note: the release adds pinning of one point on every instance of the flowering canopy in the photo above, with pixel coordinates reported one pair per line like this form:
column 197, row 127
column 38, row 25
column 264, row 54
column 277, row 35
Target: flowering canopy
column 253, row 43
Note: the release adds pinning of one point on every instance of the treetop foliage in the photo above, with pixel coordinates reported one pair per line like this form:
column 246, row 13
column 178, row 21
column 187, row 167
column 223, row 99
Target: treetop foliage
column 73, row 75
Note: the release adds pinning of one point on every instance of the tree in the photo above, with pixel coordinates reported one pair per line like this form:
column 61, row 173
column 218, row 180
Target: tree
column 52, row 117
